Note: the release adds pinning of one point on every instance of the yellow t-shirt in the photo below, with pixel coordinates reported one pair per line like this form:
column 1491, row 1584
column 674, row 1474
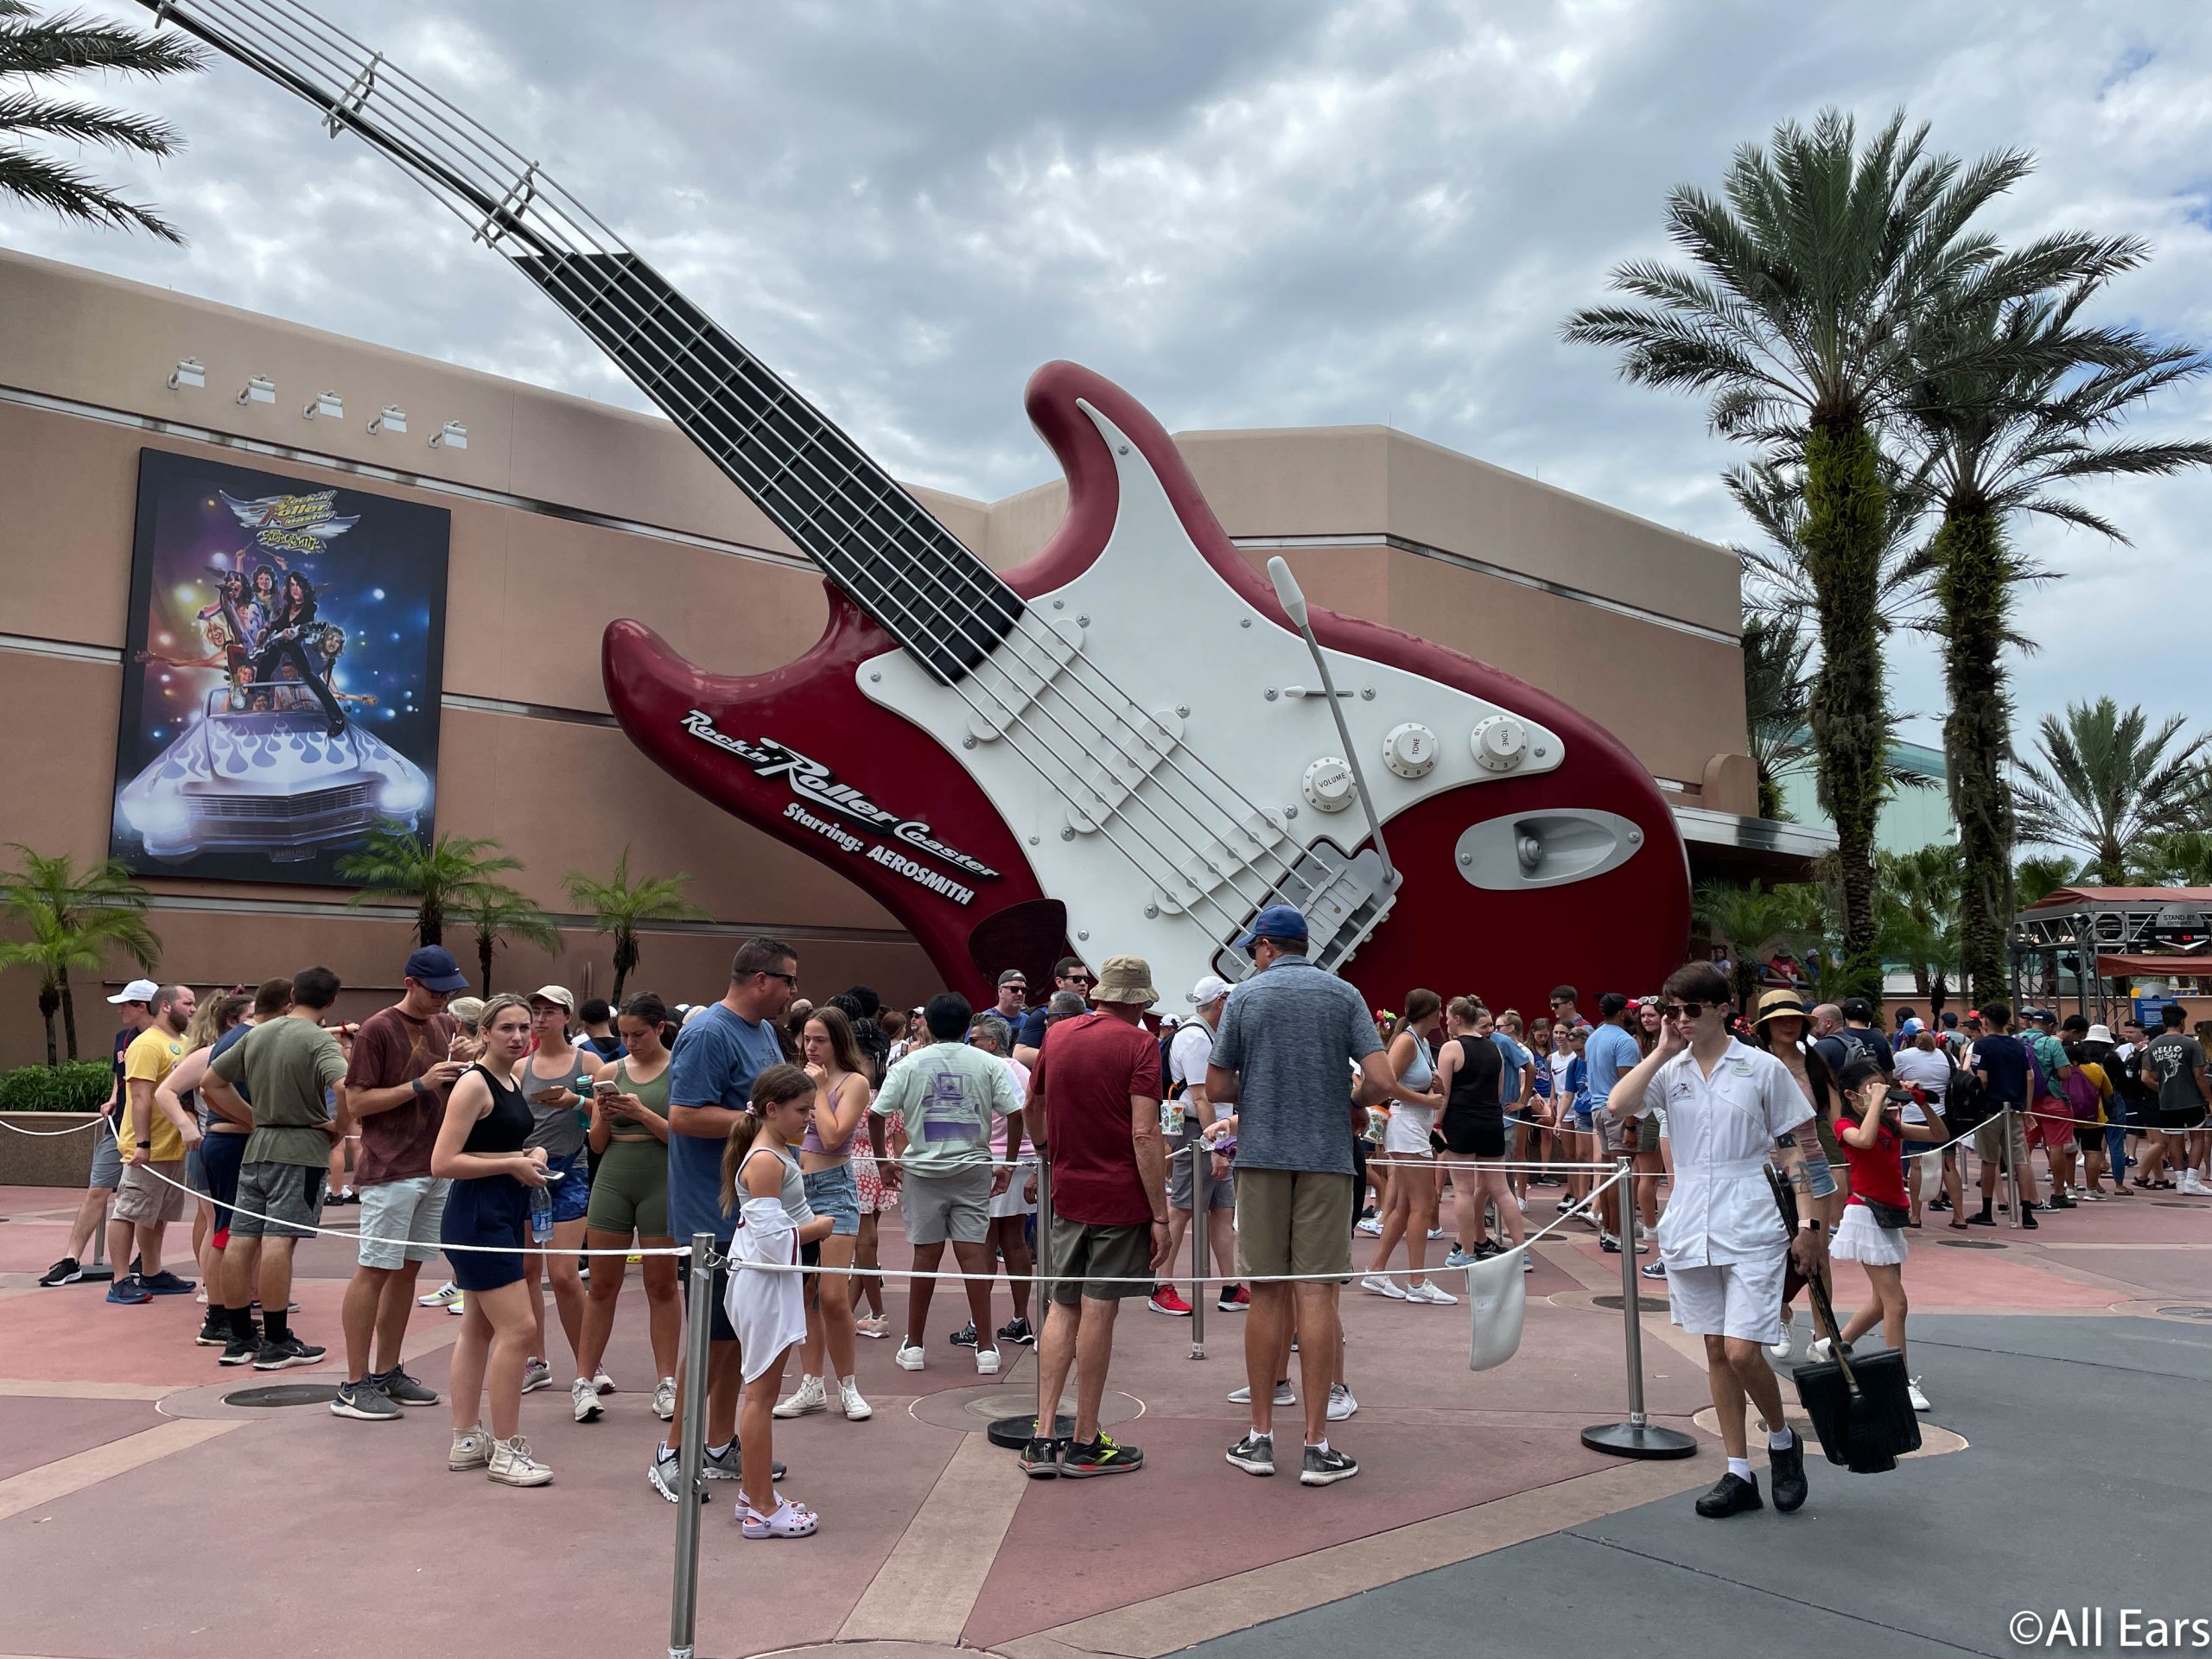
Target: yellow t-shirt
column 153, row 1054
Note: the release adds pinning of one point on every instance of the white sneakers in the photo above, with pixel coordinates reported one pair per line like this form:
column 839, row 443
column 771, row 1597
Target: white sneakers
column 2190, row 1185
column 1426, row 1291
column 1283, row 1395
column 1913, row 1393
column 856, row 1410
column 1785, row 1345
column 601, row 1381
column 512, row 1466
column 1434, row 1294
column 1341, row 1404
column 910, row 1356
column 536, row 1373
column 472, row 1449
column 664, row 1400
column 444, row 1296
column 987, row 1362
column 1370, row 1226
column 809, row 1397
column 583, row 1398
column 1382, row 1287
column 1821, row 1351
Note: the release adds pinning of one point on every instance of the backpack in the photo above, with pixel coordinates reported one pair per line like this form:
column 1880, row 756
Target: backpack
column 1966, row 1101
column 2081, row 1093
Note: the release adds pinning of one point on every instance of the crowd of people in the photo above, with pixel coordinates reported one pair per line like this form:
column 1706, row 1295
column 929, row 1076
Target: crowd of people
column 535, row 1142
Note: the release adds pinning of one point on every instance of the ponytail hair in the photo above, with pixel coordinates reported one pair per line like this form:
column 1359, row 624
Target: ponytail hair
column 772, row 1088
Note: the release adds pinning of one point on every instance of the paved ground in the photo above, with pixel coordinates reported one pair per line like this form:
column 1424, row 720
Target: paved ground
column 1478, row 1519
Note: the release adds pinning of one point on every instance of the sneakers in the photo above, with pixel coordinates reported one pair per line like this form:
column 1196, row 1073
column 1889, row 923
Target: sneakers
column 1039, row 1459
column 1653, row 1269
column 471, row 1449
column 214, row 1330
column 512, row 1466
column 964, row 1337
column 364, row 1403
column 856, row 1410
column 536, row 1373
column 1100, row 1457
column 1370, row 1226
column 601, row 1382
column 1912, row 1392
column 1608, row 1244
column 2193, row 1186
column 1375, row 1283
column 873, row 1325
column 987, row 1362
column 1822, row 1352
column 1018, row 1331
column 285, row 1352
column 1785, row 1467
column 1235, row 1299
column 1341, row 1403
column 665, row 1399
column 1786, row 1344
column 583, row 1399
column 458, row 1307
column 1731, row 1494
column 1435, row 1234
column 241, row 1351
column 444, row 1296
column 910, row 1357
column 1434, row 1294
column 1283, row 1395
column 67, row 1271
column 1255, row 1454
column 401, row 1389
column 667, row 1472
column 1323, row 1466
column 127, row 1292
column 809, row 1397
column 1166, row 1299
column 787, row 1520
column 166, row 1283
column 1459, row 1258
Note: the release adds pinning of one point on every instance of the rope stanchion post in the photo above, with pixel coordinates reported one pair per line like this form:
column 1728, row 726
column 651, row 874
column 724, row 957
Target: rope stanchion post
column 1201, row 1241
column 2011, row 1168
column 698, row 1332
column 1637, row 1437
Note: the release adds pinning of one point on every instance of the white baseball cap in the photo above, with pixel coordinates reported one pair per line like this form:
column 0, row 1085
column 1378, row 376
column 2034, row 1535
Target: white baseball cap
column 138, row 990
column 1208, row 990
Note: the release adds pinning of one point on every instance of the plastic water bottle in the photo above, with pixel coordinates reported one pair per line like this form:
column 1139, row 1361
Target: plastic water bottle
column 541, row 1214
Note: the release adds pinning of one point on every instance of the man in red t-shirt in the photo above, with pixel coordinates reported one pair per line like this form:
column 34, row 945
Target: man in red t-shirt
column 1093, row 1110
column 396, row 1085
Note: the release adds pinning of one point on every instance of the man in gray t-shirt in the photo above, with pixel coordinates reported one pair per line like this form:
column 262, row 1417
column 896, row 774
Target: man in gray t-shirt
column 1285, row 1055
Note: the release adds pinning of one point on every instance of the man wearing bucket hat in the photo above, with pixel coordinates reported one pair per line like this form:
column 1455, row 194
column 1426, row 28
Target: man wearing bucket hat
column 1094, row 1108
column 1732, row 1109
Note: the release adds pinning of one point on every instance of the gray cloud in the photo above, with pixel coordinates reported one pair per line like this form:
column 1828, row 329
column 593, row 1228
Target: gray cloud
column 1299, row 214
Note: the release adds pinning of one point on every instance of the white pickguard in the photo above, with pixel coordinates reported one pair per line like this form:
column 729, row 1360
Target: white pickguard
column 1150, row 617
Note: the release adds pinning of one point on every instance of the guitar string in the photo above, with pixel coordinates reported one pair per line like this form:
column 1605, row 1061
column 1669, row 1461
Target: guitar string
column 1085, row 794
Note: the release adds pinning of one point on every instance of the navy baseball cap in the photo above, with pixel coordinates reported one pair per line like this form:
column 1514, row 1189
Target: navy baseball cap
column 1275, row 922
column 433, row 966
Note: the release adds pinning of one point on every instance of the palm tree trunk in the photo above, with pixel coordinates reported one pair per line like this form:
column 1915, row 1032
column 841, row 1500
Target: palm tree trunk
column 68, row 1020
column 485, row 945
column 1973, row 595
column 49, row 999
column 1846, row 513
column 625, row 958
column 429, row 922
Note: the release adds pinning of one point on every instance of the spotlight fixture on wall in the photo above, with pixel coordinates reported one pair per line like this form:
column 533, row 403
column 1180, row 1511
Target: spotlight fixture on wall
column 452, row 435
column 328, row 404
column 392, row 418
column 259, row 390
column 189, row 372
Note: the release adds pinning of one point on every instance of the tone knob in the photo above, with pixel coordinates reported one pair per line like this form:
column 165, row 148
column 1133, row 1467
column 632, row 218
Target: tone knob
column 1500, row 743
column 1410, row 750
column 1327, row 786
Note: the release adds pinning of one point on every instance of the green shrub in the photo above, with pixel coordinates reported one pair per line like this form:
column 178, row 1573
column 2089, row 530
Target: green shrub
column 77, row 1086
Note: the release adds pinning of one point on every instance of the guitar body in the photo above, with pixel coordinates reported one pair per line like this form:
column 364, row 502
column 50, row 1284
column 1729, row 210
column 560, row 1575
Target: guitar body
column 915, row 791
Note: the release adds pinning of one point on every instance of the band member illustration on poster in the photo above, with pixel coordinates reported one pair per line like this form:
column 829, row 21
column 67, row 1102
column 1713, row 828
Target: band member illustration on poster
column 282, row 672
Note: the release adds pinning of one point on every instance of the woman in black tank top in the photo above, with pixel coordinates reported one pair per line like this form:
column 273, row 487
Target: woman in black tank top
column 1471, row 1070
column 480, row 1149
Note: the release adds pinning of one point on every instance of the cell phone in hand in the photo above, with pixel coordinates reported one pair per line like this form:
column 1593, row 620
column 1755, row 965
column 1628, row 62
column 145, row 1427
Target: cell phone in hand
column 605, row 1089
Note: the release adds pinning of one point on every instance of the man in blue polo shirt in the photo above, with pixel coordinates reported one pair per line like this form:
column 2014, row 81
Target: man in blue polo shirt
column 710, row 1071
column 1610, row 1055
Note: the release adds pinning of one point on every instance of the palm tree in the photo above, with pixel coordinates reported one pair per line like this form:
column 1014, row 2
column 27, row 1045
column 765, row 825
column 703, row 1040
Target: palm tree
column 1995, row 445
column 620, row 906
column 446, row 876
column 74, row 919
column 2179, row 858
column 1824, row 278
column 2036, row 878
column 1772, row 492
column 499, row 912
column 1754, row 922
column 1777, row 683
column 2106, row 783
column 38, row 49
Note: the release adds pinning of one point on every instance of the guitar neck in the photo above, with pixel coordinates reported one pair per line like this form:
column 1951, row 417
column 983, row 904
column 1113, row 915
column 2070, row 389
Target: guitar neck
column 906, row 571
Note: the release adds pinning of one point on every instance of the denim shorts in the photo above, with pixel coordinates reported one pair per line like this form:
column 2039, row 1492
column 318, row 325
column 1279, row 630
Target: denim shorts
column 834, row 1192
column 571, row 1196
column 107, row 1158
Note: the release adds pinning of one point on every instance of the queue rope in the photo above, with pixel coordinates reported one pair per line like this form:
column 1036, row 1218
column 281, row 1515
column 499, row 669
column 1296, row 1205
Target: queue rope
column 48, row 1135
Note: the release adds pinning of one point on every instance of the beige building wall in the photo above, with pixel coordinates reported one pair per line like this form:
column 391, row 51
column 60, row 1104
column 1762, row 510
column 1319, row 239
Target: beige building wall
column 566, row 513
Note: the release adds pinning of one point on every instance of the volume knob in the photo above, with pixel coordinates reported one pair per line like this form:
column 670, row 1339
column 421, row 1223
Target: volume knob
column 1499, row 742
column 1410, row 750
column 1327, row 785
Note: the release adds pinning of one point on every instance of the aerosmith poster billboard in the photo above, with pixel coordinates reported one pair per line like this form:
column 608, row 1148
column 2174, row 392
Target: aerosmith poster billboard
column 281, row 672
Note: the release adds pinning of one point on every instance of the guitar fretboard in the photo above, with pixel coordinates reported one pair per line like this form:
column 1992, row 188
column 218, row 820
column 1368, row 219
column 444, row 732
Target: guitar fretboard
column 906, row 571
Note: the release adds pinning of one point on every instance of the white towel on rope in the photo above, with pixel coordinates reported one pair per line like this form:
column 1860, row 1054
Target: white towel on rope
column 767, row 1310
column 1496, row 1294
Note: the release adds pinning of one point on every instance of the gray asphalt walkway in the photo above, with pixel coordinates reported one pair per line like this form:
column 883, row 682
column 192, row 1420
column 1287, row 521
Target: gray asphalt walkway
column 2085, row 1481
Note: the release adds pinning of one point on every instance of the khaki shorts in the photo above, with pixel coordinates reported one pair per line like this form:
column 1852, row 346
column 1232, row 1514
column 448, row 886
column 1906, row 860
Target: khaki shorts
column 1104, row 1263
column 1293, row 1221
column 143, row 1199
column 1989, row 1139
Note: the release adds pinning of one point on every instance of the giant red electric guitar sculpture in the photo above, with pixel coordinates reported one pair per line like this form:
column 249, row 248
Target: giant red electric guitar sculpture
column 1120, row 745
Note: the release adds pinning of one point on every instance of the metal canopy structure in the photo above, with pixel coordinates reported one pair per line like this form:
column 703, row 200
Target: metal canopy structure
column 2084, row 941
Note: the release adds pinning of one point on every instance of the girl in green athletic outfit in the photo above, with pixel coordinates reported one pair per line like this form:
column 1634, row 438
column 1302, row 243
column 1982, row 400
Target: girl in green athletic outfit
column 629, row 1193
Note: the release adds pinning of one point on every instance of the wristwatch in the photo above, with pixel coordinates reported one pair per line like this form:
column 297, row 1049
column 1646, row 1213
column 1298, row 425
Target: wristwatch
column 1813, row 1226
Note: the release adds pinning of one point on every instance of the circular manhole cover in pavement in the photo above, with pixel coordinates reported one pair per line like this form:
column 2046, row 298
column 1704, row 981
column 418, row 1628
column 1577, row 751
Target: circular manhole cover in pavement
column 2174, row 1204
column 285, row 1394
column 2188, row 1311
column 1645, row 1301
column 976, row 1409
column 1970, row 1243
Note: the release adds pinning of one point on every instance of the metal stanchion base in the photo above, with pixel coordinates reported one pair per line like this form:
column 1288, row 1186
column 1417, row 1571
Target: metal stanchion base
column 1013, row 1432
column 1640, row 1440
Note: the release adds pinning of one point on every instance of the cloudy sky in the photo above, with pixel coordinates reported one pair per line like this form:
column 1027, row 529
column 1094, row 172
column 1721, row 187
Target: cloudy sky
column 1293, row 213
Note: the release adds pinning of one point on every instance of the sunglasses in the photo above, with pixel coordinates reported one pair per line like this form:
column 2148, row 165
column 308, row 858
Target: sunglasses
column 1680, row 1010
column 1080, row 979
column 790, row 980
